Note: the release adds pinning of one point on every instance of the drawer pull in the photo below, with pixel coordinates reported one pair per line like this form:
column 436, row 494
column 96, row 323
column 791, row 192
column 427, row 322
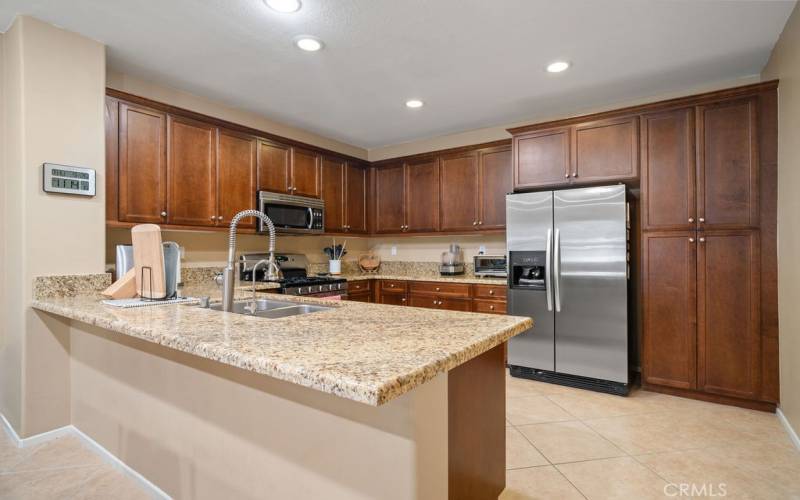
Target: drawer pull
column 491, row 292
column 437, row 288
column 491, row 308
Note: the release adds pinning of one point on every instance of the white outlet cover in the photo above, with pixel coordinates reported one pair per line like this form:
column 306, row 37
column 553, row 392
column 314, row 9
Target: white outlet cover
column 394, row 249
column 482, row 249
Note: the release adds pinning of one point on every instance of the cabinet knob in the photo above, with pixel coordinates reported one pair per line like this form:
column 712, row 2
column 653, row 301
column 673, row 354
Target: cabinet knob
column 691, row 219
column 691, row 240
column 391, row 285
column 474, row 223
column 213, row 217
column 402, row 299
column 702, row 240
column 491, row 308
column 566, row 176
column 219, row 218
column 574, row 174
column 480, row 222
column 163, row 214
column 437, row 288
column 491, row 292
column 702, row 219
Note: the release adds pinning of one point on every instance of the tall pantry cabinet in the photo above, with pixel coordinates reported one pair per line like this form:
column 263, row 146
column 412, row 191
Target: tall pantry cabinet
column 708, row 183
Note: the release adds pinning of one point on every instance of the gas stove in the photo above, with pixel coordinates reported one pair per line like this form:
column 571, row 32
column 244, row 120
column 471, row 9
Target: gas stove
column 296, row 280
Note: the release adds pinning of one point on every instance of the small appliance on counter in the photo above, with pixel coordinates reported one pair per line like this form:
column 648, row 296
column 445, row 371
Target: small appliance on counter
column 491, row 266
column 296, row 280
column 452, row 261
column 369, row 262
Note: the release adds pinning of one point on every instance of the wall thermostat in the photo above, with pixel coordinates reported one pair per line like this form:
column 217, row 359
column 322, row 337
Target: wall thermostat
column 68, row 180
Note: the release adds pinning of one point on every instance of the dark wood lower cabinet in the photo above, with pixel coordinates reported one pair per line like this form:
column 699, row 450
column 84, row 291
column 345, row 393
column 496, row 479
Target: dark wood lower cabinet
column 394, row 299
column 669, row 307
column 701, row 315
column 729, row 343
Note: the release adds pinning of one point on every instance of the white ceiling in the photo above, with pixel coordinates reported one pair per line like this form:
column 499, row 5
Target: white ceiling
column 475, row 63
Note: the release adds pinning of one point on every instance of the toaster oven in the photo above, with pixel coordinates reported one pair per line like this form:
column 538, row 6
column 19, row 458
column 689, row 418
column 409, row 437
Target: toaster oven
column 494, row 266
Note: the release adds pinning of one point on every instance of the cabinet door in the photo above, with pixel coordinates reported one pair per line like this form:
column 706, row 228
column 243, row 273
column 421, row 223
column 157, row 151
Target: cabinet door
column 422, row 196
column 332, row 174
column 729, row 342
column 192, row 172
column 464, row 305
column 394, row 299
column 427, row 301
column 390, row 198
column 142, row 164
column 669, row 309
column 459, row 192
column 606, row 150
column 273, row 167
column 355, row 198
column 541, row 158
column 360, row 297
column 727, row 184
column 668, row 171
column 111, row 115
column 305, row 173
column 495, row 183
column 236, row 176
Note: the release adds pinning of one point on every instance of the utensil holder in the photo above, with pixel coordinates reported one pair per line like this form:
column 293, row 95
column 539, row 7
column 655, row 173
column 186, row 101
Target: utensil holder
column 335, row 266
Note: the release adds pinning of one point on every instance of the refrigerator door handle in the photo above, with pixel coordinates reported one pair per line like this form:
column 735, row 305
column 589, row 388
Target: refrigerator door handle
column 557, row 269
column 548, row 278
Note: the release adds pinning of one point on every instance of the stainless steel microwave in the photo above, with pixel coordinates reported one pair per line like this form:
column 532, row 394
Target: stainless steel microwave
column 291, row 213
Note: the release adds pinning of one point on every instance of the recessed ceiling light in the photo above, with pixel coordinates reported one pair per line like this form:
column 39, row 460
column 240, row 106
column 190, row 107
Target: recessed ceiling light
column 308, row 43
column 414, row 103
column 284, row 6
column 557, row 67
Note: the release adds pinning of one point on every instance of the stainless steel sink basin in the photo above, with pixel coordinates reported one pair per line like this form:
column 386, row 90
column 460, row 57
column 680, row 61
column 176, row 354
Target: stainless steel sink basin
column 267, row 308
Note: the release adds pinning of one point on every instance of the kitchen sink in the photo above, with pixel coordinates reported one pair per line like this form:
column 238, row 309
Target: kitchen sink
column 267, row 308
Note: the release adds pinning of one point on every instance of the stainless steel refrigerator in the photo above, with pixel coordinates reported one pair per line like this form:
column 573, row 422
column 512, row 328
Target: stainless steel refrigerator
column 568, row 269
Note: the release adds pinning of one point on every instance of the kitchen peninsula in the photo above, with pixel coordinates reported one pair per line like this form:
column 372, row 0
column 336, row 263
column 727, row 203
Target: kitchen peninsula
column 358, row 401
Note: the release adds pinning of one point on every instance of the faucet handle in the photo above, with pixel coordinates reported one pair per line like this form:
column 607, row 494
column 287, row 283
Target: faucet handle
column 219, row 279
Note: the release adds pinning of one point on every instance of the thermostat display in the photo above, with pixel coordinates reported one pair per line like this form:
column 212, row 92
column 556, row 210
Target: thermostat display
column 68, row 180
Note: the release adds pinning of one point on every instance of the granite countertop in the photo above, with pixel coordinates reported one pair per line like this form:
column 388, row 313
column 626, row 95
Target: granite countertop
column 371, row 353
column 474, row 280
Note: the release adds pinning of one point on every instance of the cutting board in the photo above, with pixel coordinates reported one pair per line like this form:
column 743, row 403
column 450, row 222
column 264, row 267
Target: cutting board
column 148, row 259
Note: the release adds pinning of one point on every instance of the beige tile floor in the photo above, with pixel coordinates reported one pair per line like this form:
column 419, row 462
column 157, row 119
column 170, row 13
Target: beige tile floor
column 561, row 443
column 63, row 468
column 565, row 443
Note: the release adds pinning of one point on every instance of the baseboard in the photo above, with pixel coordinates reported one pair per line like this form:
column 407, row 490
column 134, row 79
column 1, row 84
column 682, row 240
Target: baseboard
column 789, row 429
column 108, row 457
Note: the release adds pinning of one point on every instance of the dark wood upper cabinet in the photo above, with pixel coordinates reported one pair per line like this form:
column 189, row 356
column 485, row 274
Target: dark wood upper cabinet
column 606, row 150
column 355, row 198
column 668, row 170
column 305, row 173
column 111, row 116
column 191, row 172
column 422, row 195
column 541, row 158
column 274, row 163
column 459, row 191
column 495, row 182
column 236, row 176
column 333, row 194
column 390, row 198
column 142, row 164
column 729, row 337
column 669, row 307
column 727, row 182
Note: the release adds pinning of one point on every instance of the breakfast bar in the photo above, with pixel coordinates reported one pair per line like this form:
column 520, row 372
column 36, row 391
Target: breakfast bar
column 353, row 400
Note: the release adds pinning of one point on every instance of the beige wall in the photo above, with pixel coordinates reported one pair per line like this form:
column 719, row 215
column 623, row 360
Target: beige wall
column 499, row 132
column 182, row 99
column 785, row 65
column 53, row 112
column 203, row 430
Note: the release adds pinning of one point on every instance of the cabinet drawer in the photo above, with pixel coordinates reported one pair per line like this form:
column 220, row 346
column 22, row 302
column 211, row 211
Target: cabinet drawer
column 489, row 306
column 489, row 292
column 359, row 286
column 360, row 296
column 393, row 286
column 438, row 302
column 440, row 289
